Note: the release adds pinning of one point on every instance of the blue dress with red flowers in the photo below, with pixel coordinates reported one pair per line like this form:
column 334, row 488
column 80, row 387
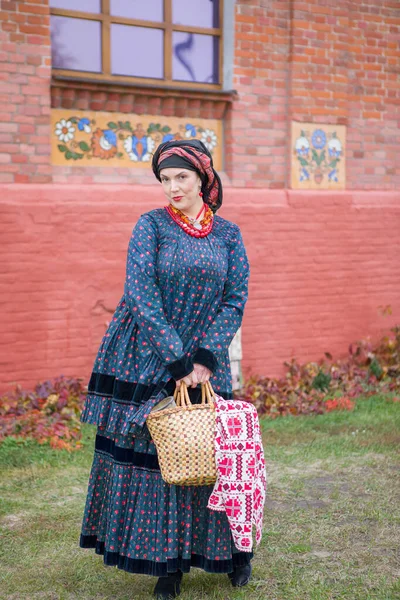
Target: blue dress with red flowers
column 183, row 302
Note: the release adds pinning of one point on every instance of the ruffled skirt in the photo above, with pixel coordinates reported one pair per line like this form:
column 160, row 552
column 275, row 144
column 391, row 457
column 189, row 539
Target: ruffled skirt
column 138, row 522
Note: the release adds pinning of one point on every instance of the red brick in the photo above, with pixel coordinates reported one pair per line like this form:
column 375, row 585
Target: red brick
column 19, row 158
column 39, row 40
column 9, row 6
column 20, row 178
column 81, row 103
column 370, row 114
column 34, row 60
column 93, row 105
column 8, row 26
column 38, row 20
column 6, row 177
column 27, row 7
column 17, row 38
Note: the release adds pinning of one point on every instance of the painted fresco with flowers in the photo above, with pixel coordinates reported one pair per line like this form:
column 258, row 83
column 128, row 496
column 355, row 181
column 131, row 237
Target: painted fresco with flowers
column 318, row 156
column 122, row 140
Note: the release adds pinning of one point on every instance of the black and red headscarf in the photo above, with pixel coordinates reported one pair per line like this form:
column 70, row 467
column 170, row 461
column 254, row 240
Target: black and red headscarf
column 192, row 155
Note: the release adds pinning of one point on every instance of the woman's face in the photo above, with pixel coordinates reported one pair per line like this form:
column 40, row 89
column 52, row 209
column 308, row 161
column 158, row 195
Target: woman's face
column 182, row 187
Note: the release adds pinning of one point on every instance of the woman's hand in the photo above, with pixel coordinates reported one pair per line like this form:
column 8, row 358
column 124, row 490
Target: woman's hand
column 203, row 374
column 200, row 374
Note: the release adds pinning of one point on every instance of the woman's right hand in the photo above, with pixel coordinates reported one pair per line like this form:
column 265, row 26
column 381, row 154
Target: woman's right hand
column 190, row 380
column 200, row 374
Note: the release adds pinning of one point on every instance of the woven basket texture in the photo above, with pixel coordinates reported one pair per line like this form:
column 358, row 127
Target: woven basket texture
column 184, row 438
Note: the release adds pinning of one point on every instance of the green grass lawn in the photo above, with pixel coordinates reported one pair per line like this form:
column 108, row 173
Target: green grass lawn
column 331, row 528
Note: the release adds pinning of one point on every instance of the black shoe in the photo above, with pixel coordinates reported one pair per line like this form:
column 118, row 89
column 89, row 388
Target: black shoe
column 240, row 576
column 168, row 587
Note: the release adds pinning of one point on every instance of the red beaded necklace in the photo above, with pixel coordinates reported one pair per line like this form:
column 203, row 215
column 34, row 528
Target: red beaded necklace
column 193, row 227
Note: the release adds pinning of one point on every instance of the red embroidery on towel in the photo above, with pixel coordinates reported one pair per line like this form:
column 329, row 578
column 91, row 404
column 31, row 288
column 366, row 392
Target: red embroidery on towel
column 242, row 481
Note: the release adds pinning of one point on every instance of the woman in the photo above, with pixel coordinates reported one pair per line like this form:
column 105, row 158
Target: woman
column 185, row 291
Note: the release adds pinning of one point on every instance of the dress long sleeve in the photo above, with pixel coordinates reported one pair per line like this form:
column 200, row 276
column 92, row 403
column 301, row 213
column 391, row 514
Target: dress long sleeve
column 144, row 300
column 218, row 336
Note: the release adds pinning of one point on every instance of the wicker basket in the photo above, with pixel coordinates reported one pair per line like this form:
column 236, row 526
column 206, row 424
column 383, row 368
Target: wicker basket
column 184, row 438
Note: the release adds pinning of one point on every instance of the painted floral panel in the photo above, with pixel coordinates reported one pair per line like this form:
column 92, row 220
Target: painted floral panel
column 318, row 156
column 112, row 139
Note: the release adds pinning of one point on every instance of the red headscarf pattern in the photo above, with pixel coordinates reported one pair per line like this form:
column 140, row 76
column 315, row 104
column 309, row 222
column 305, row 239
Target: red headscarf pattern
column 195, row 156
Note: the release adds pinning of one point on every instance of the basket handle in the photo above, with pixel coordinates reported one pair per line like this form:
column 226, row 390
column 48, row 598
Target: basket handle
column 181, row 395
column 207, row 393
column 182, row 398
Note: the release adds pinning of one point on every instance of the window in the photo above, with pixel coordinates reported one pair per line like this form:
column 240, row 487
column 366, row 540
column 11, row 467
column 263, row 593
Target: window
column 173, row 43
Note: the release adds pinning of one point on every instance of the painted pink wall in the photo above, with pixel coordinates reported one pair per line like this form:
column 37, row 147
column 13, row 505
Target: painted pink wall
column 323, row 267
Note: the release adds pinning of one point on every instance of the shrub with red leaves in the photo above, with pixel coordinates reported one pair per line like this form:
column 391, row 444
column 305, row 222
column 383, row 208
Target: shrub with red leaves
column 339, row 404
column 50, row 413
column 316, row 388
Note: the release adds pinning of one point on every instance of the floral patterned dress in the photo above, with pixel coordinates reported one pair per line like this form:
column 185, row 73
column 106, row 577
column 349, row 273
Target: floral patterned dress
column 183, row 302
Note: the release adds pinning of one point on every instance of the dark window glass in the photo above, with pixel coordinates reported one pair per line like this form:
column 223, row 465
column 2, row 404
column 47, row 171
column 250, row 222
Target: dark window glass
column 92, row 6
column 137, row 51
column 75, row 44
column 197, row 13
column 146, row 10
column 195, row 57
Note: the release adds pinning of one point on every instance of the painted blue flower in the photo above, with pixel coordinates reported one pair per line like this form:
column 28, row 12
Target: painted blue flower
column 104, row 143
column 333, row 153
column 334, row 147
column 84, row 125
column 303, row 151
column 190, row 130
column 110, row 136
column 302, row 146
column 139, row 148
column 167, row 137
column 318, row 139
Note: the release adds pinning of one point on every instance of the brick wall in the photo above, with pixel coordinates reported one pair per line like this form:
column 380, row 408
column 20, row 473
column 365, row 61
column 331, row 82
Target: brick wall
column 374, row 95
column 257, row 124
column 320, row 61
column 311, row 60
column 323, row 264
column 345, row 69
column 323, row 268
column 25, row 71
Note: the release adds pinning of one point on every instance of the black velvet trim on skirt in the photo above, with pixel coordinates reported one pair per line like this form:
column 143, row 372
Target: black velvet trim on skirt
column 125, row 392
column 128, row 392
column 161, row 569
column 126, row 456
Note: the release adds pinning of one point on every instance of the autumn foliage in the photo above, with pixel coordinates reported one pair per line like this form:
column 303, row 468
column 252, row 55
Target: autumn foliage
column 50, row 413
column 325, row 386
